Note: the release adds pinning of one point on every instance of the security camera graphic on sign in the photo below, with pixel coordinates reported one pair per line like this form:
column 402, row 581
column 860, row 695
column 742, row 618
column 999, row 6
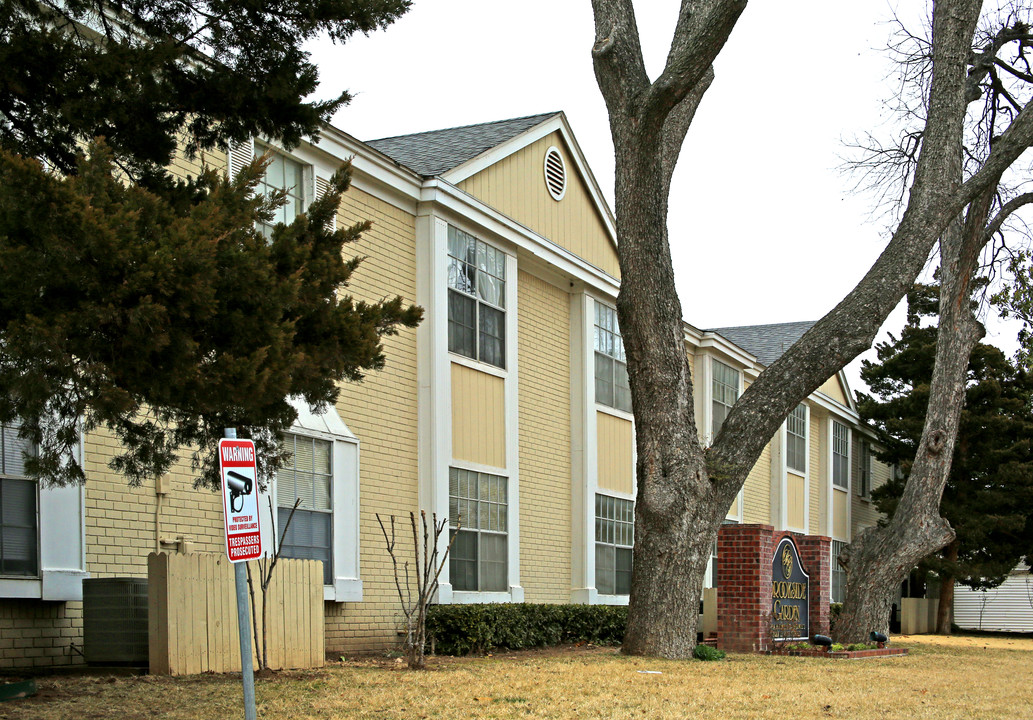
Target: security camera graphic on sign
column 240, row 486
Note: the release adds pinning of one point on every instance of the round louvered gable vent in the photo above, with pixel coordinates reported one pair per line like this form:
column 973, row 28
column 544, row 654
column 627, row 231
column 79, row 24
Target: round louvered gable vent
column 555, row 173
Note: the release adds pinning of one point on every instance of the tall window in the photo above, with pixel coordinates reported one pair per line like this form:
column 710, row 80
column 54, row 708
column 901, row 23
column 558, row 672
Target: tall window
column 19, row 552
column 479, row 502
column 308, row 476
column 614, row 539
column 287, row 175
column 796, row 439
column 864, row 475
column 724, row 392
column 476, row 299
column 840, row 454
column 611, row 368
column 838, row 573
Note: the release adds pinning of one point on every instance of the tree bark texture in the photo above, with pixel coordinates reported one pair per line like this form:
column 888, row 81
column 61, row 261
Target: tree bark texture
column 945, row 607
column 684, row 491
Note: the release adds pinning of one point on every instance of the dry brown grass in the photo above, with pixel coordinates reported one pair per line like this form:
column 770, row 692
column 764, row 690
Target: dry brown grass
column 961, row 677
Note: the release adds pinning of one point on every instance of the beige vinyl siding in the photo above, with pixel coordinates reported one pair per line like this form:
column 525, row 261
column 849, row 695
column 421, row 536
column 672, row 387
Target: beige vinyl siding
column 614, row 445
column 478, row 417
column 834, row 389
column 795, row 488
column 862, row 512
column 839, row 514
column 516, row 187
column 545, row 470
column 381, row 412
column 735, row 510
column 756, row 495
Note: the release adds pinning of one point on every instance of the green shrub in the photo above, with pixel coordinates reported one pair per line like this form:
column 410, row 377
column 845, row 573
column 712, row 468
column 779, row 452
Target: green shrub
column 837, row 647
column 463, row 629
column 860, row 646
column 705, row 652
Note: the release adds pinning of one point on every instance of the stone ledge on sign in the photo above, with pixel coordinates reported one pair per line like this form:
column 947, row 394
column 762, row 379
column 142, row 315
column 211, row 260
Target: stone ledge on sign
column 842, row 654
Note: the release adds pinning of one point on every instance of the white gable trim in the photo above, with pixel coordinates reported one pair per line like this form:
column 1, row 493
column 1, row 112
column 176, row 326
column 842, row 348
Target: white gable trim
column 557, row 123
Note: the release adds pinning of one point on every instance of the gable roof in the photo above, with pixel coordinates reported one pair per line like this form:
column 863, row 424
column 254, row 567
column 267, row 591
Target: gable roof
column 766, row 342
column 436, row 152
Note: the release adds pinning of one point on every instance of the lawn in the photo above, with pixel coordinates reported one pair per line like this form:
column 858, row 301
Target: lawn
column 960, row 677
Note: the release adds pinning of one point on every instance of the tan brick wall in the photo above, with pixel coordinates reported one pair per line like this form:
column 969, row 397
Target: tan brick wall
column 545, row 471
column 39, row 634
column 381, row 412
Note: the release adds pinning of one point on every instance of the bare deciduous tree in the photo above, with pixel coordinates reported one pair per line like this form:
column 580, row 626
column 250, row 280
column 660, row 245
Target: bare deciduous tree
column 684, row 490
column 427, row 569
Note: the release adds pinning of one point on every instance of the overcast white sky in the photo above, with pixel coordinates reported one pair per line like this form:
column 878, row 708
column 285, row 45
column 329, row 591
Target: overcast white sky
column 764, row 226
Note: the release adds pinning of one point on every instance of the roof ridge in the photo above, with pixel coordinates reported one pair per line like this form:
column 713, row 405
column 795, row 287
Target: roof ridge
column 466, row 127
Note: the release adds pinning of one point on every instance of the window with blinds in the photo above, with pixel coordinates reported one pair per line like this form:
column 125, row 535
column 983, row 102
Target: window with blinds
column 796, row 439
column 308, row 477
column 611, row 365
column 724, row 390
column 19, row 537
column 478, row 504
column 840, row 454
column 614, row 540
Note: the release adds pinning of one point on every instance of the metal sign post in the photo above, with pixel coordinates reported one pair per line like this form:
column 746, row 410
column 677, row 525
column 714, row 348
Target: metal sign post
column 243, row 540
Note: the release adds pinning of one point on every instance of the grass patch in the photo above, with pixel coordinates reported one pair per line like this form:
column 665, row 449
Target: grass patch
column 942, row 678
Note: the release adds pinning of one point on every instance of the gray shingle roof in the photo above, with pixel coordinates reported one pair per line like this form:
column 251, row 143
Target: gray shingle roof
column 767, row 342
column 432, row 153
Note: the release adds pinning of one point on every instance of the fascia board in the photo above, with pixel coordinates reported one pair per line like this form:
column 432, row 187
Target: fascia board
column 825, row 402
column 556, row 123
column 851, row 403
column 372, row 171
column 441, row 196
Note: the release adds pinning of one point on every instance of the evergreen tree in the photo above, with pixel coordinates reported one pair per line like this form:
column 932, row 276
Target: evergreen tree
column 988, row 498
column 147, row 304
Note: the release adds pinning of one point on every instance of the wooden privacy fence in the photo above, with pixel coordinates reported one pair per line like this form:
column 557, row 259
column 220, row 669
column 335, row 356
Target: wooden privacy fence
column 192, row 618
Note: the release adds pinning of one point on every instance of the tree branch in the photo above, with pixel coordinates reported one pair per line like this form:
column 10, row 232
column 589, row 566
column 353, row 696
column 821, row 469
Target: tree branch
column 994, row 226
column 677, row 126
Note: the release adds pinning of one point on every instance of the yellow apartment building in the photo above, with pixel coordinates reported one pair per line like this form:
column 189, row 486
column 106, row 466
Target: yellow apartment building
column 509, row 406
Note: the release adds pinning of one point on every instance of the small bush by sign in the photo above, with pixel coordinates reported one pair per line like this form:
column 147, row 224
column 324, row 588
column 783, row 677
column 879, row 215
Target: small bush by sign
column 463, row 629
column 705, row 652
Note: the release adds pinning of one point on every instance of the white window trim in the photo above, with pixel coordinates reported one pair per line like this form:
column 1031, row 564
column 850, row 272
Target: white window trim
column 611, row 409
column 347, row 583
column 784, row 510
column 708, row 418
column 832, row 487
column 867, row 496
column 599, row 598
column 508, row 319
column 61, row 540
column 434, row 400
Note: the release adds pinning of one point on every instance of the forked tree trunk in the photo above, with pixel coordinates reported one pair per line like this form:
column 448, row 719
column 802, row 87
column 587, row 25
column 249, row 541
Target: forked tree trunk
column 684, row 492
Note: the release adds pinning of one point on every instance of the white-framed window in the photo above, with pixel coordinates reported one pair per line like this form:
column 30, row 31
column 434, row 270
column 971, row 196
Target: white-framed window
column 614, row 540
column 611, row 365
column 840, row 455
column 724, row 391
column 864, row 470
column 480, row 503
column 286, row 174
column 476, row 299
column 308, row 477
column 19, row 508
column 796, row 439
column 838, row 585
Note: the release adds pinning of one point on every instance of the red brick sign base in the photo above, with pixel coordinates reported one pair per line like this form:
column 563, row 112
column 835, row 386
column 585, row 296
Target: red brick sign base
column 744, row 554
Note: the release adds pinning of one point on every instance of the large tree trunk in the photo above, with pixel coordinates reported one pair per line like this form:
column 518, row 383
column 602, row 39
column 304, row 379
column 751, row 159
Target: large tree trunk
column 945, row 607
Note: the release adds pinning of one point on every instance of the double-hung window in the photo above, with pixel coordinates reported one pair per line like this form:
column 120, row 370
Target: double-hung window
column 478, row 504
column 287, row 175
column 476, row 299
column 614, row 540
column 19, row 547
column 864, row 476
column 611, row 367
column 838, row 573
column 840, row 455
column 724, row 391
column 796, row 439
column 308, row 477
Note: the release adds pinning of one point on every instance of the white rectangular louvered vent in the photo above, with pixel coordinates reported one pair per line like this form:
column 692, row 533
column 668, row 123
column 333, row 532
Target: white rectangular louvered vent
column 322, row 188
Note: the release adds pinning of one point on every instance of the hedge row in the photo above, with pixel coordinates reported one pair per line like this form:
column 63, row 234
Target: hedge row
column 462, row 629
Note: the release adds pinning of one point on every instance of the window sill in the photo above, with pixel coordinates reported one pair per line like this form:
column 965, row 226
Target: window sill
column 343, row 590
column 446, row 595
column 478, row 365
column 21, row 588
column 609, row 410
